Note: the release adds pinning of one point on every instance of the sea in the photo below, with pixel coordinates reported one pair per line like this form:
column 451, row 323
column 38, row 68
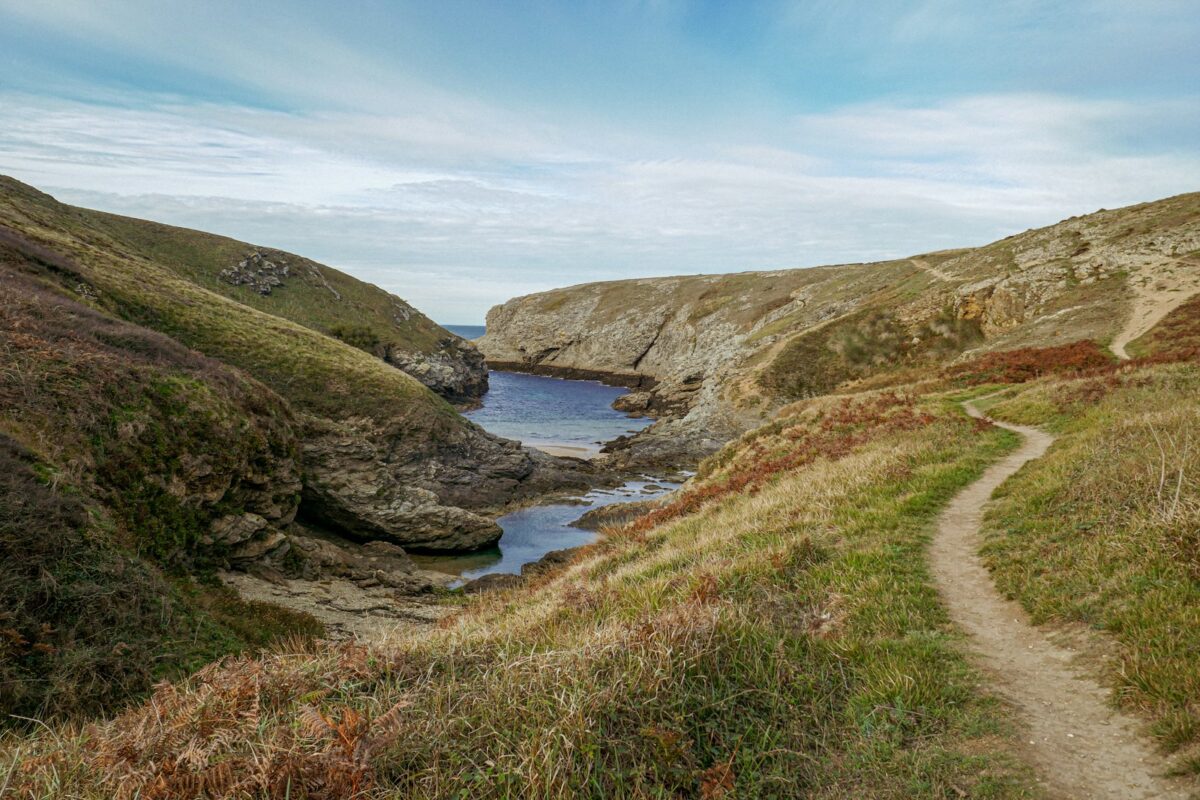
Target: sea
column 555, row 414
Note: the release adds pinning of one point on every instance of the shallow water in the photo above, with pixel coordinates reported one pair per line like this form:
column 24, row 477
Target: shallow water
column 548, row 412
column 544, row 412
column 532, row 532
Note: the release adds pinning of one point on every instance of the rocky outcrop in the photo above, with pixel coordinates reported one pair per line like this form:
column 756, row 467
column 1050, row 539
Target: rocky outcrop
column 456, row 370
column 371, row 483
column 257, row 272
column 353, row 486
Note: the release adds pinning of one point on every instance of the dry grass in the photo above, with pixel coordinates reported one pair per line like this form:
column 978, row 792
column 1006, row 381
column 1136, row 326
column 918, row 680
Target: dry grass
column 1105, row 530
column 779, row 643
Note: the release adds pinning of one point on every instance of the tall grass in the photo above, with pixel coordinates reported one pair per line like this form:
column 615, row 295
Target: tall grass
column 1105, row 531
column 779, row 643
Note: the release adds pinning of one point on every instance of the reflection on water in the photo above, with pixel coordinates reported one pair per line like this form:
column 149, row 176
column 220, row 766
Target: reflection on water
column 540, row 411
column 532, row 532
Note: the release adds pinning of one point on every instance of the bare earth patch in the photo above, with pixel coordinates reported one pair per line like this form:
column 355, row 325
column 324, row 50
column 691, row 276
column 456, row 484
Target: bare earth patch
column 348, row 611
column 1157, row 291
column 1080, row 746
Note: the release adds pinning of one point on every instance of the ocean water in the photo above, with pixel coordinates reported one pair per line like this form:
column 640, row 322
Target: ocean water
column 543, row 411
column 467, row 331
column 532, row 532
column 540, row 411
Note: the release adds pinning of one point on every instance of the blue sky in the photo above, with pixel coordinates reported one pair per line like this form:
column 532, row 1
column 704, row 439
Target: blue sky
column 462, row 153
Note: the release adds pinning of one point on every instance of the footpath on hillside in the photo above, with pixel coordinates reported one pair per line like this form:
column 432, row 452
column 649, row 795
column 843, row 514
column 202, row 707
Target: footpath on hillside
column 1078, row 744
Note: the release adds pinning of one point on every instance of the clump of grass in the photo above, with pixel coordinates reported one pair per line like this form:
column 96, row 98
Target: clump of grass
column 1103, row 530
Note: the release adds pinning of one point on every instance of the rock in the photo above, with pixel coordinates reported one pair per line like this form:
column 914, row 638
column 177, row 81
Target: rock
column 615, row 514
column 273, row 545
column 456, row 370
column 322, row 557
column 257, row 272
column 233, row 529
column 554, row 560
column 491, row 582
column 634, row 403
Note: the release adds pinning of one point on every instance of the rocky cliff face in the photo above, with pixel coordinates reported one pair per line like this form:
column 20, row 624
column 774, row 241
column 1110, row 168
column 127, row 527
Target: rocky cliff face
column 709, row 354
column 456, row 370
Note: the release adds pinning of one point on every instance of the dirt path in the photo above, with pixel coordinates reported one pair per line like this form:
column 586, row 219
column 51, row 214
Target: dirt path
column 925, row 266
column 1080, row 747
column 1156, row 293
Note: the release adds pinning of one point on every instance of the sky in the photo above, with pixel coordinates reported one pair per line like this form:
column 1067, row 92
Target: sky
column 462, row 153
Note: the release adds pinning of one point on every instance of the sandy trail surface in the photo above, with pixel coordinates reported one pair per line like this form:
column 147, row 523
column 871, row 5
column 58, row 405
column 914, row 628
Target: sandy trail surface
column 1078, row 744
column 925, row 266
column 1157, row 291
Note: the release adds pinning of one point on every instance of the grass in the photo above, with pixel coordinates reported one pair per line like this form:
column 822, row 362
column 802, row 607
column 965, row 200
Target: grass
column 315, row 372
column 778, row 642
column 1103, row 531
column 118, row 448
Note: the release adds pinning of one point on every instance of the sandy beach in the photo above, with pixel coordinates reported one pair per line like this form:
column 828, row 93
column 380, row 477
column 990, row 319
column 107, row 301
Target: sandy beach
column 568, row 450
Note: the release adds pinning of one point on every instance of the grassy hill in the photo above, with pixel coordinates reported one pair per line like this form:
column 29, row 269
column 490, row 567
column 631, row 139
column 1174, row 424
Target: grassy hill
column 720, row 353
column 773, row 631
column 167, row 259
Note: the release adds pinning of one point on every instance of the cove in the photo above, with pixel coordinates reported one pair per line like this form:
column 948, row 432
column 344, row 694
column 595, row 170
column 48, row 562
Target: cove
column 565, row 417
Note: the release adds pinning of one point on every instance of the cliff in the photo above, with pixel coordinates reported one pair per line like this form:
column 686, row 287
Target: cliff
column 713, row 355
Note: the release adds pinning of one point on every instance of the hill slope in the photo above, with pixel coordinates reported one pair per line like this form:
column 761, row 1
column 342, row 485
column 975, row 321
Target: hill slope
column 278, row 283
column 717, row 353
column 154, row 431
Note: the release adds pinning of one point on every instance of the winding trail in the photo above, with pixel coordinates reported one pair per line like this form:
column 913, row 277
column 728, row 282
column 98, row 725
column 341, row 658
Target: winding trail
column 1080, row 747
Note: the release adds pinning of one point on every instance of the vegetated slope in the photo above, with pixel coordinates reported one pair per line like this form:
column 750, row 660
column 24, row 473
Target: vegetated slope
column 382, row 456
column 278, row 283
column 1105, row 531
column 780, row 639
column 772, row 631
column 717, row 353
column 124, row 454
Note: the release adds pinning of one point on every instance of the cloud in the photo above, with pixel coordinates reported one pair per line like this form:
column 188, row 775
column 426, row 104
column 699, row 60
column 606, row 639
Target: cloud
column 461, row 207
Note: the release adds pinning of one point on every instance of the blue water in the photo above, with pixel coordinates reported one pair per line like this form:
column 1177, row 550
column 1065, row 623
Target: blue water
column 467, row 331
column 547, row 411
column 532, row 532
column 539, row 411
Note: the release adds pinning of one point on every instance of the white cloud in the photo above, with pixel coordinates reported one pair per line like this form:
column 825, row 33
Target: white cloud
column 459, row 207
